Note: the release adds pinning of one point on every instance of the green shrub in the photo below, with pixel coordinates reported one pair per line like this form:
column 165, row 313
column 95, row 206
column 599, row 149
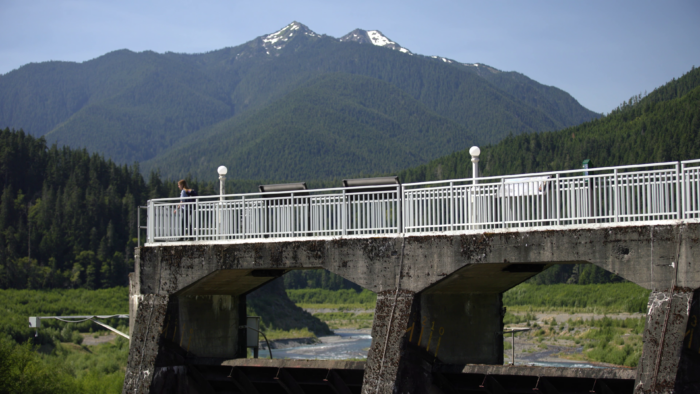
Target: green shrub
column 321, row 296
column 598, row 298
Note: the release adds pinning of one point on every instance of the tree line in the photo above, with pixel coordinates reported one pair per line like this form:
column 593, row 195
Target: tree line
column 68, row 217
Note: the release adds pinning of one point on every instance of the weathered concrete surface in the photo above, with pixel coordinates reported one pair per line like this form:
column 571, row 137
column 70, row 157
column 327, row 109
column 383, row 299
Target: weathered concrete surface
column 145, row 340
column 134, row 298
column 641, row 254
column 688, row 378
column 523, row 370
column 664, row 332
column 658, row 257
column 390, row 320
column 287, row 363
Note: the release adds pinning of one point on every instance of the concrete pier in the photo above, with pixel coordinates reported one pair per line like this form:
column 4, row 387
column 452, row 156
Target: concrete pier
column 439, row 296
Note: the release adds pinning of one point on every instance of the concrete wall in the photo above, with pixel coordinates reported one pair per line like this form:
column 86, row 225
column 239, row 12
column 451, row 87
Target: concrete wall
column 452, row 279
column 642, row 254
column 208, row 325
column 467, row 327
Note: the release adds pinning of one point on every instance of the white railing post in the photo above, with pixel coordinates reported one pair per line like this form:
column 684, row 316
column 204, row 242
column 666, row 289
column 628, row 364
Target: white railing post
column 150, row 220
column 684, row 207
column 504, row 202
column 218, row 219
column 474, row 151
column 196, row 219
column 243, row 216
column 679, row 182
column 616, row 189
column 294, row 216
column 452, row 206
column 222, row 170
column 557, row 201
column 399, row 206
column 344, row 212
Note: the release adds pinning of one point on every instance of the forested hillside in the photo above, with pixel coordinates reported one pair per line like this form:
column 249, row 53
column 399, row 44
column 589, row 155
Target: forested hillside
column 336, row 125
column 67, row 217
column 238, row 106
column 663, row 126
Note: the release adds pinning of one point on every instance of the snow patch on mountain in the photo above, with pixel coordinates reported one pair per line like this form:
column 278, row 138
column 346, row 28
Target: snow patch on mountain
column 282, row 34
column 274, row 42
column 378, row 38
column 279, row 39
column 374, row 37
column 444, row 59
column 482, row 68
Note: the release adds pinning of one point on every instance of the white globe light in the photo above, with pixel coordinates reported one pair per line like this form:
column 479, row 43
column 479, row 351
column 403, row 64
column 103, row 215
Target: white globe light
column 222, row 170
column 474, row 151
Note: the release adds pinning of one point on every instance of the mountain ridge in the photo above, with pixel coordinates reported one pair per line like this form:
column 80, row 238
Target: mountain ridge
column 140, row 106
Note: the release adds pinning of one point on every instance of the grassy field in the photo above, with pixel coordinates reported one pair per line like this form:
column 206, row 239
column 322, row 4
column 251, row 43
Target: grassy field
column 338, row 309
column 605, row 340
column 53, row 358
column 274, row 333
column 599, row 299
column 320, row 299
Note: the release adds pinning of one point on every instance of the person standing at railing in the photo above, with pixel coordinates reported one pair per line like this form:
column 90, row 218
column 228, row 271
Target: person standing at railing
column 185, row 208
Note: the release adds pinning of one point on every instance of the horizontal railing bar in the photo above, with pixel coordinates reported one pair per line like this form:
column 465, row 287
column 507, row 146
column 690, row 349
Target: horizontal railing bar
column 534, row 174
column 298, row 193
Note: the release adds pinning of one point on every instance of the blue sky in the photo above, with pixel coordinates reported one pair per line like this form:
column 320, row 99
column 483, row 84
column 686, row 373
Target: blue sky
column 601, row 52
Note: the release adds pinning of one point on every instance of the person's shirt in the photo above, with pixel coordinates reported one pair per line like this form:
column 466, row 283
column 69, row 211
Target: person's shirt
column 183, row 198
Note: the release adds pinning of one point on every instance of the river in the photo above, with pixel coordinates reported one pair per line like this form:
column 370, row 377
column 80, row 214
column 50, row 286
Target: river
column 354, row 344
column 345, row 344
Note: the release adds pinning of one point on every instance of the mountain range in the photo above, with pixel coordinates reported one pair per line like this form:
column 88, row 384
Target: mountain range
column 291, row 105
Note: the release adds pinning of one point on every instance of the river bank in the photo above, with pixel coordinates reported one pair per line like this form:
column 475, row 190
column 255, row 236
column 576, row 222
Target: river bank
column 345, row 344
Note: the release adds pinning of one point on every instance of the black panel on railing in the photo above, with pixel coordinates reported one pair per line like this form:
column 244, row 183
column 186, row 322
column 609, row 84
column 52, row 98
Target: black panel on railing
column 284, row 187
column 384, row 183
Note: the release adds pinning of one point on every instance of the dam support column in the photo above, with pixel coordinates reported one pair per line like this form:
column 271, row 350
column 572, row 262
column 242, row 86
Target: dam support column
column 171, row 331
column 391, row 317
column 665, row 334
column 411, row 331
column 688, row 379
column 145, row 341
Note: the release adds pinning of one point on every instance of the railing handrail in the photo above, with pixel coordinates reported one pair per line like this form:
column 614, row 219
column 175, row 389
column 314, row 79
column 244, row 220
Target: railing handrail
column 299, row 193
column 655, row 191
column 533, row 174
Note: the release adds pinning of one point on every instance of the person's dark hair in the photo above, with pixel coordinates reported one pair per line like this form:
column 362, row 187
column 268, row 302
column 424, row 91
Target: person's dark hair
column 182, row 183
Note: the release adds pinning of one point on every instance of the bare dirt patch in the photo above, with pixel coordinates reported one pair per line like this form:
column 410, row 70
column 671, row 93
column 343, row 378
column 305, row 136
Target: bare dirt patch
column 90, row 340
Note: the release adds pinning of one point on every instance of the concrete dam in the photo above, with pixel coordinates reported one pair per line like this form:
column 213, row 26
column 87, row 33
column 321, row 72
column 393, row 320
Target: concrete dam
column 440, row 253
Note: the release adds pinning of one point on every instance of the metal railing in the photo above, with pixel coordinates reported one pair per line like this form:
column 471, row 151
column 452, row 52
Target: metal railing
column 323, row 212
column 648, row 192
